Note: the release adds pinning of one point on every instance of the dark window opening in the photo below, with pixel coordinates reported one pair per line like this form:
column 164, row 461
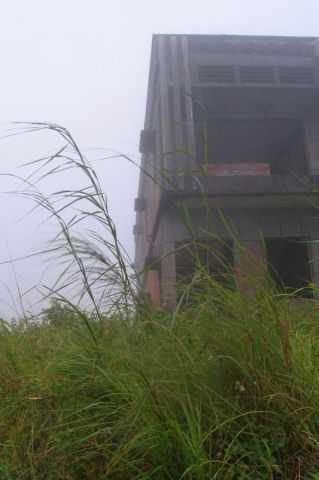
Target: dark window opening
column 297, row 75
column 257, row 74
column 216, row 257
column 277, row 143
column 288, row 264
column 216, row 73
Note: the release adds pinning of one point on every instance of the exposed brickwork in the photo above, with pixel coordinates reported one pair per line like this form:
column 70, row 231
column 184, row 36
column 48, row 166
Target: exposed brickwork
column 249, row 265
column 152, row 286
column 238, row 169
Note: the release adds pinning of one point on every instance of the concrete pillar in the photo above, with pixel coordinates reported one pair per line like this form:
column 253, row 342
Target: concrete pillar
column 312, row 145
column 313, row 249
column 168, row 276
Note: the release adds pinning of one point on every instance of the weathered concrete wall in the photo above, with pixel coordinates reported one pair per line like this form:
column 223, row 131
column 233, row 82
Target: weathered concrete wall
column 250, row 225
column 269, row 80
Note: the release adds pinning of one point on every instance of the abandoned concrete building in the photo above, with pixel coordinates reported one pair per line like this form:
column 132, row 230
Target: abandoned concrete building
column 235, row 117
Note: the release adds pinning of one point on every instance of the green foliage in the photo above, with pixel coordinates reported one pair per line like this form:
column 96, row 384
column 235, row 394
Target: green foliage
column 58, row 314
column 228, row 390
column 226, row 387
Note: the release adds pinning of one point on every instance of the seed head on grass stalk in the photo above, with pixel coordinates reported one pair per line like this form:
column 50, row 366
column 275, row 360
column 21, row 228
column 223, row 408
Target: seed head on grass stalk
column 96, row 266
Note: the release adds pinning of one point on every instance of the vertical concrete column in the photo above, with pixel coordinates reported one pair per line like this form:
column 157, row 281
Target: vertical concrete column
column 166, row 246
column 250, row 264
column 179, row 158
column 168, row 276
column 166, row 127
column 313, row 249
column 189, row 113
column 312, row 145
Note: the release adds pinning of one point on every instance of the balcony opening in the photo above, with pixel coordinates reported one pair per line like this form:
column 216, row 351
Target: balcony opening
column 212, row 257
column 252, row 147
column 288, row 265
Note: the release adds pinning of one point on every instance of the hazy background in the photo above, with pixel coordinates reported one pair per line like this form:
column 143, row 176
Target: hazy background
column 84, row 64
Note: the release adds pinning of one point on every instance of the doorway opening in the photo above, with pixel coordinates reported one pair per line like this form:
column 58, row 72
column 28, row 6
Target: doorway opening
column 216, row 257
column 288, row 265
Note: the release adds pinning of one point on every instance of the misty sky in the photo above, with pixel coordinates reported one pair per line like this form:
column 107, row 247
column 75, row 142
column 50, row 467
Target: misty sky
column 84, row 64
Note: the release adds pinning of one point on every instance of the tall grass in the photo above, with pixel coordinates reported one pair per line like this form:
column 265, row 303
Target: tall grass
column 225, row 389
column 106, row 386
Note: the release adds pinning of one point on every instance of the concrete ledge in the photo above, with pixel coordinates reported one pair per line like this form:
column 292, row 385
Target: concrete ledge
column 251, row 185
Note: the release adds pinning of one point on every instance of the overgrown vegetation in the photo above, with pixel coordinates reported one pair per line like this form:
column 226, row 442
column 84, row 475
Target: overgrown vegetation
column 225, row 387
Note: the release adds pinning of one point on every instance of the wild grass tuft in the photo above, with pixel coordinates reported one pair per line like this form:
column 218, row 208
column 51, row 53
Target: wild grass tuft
column 228, row 390
column 225, row 387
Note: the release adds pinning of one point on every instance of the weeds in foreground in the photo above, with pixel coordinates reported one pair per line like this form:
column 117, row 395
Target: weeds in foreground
column 225, row 387
column 228, row 391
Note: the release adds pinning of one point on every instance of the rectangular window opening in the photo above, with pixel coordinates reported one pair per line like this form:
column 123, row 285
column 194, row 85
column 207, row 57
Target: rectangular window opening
column 288, row 265
column 274, row 147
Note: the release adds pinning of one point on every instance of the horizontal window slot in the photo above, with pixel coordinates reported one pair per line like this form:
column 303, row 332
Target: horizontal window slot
column 296, row 75
column 216, row 73
column 257, row 74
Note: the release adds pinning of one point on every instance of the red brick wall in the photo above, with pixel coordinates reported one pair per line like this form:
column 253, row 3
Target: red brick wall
column 249, row 265
column 152, row 286
column 238, row 169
